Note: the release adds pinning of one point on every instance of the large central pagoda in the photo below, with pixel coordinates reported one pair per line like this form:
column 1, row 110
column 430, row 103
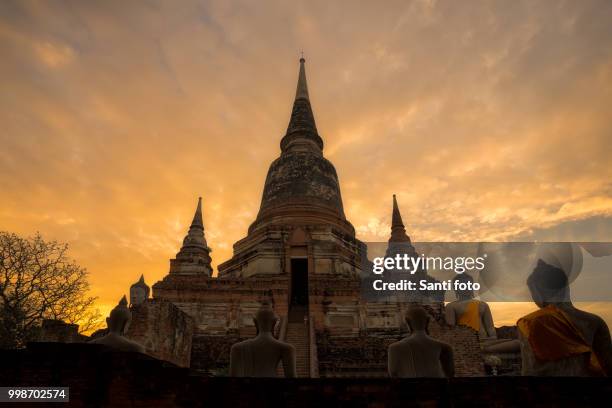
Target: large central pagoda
column 301, row 219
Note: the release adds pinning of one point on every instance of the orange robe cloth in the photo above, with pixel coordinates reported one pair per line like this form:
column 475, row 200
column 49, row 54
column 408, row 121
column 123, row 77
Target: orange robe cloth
column 552, row 336
column 471, row 315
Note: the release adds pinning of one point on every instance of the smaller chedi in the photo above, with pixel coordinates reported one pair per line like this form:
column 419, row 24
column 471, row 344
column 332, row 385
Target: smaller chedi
column 118, row 322
column 139, row 292
column 194, row 256
column 420, row 355
column 400, row 244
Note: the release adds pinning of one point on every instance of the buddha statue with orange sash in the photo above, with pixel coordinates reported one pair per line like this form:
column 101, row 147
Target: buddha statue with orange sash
column 471, row 312
column 559, row 339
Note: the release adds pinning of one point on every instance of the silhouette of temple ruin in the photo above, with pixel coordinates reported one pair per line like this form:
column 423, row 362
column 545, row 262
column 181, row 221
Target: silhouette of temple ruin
column 302, row 256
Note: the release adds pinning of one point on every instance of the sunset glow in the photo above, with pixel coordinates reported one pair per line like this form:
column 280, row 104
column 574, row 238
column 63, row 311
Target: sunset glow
column 488, row 123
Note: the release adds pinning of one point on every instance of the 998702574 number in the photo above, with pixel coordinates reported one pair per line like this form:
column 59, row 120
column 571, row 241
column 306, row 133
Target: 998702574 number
column 32, row 394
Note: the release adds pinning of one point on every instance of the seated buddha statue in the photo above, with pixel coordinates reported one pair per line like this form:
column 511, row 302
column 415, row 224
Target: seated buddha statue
column 559, row 339
column 420, row 355
column 118, row 322
column 260, row 356
column 469, row 311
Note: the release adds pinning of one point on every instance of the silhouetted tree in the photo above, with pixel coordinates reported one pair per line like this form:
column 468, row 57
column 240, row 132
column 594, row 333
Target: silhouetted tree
column 38, row 281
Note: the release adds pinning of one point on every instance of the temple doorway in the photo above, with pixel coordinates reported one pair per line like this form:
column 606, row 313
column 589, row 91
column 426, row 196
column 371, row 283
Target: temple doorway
column 299, row 283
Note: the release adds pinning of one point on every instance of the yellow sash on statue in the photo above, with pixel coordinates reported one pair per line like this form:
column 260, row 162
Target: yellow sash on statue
column 471, row 315
column 552, row 336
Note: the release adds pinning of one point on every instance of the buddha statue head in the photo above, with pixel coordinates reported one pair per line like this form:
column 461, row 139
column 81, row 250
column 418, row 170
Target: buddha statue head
column 548, row 284
column 265, row 319
column 417, row 319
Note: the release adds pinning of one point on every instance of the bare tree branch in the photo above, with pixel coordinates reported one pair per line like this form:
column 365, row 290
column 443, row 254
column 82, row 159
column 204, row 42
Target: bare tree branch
column 38, row 281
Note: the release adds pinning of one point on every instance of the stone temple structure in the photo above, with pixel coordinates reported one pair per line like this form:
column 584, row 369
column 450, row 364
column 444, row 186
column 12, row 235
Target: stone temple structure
column 300, row 255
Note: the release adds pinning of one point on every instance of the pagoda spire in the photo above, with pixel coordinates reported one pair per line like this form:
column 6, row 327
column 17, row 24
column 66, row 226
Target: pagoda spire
column 194, row 256
column 197, row 217
column 398, row 231
column 302, row 132
column 302, row 85
column 195, row 236
column 396, row 218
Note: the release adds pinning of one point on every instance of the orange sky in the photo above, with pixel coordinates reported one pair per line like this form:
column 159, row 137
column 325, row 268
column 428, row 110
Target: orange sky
column 489, row 120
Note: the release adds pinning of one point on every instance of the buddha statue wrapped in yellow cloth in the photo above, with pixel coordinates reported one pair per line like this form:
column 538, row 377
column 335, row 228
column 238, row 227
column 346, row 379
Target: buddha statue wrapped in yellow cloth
column 471, row 312
column 551, row 322
column 559, row 339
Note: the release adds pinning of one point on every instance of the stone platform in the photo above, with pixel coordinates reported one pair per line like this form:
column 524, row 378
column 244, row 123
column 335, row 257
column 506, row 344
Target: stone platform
column 98, row 377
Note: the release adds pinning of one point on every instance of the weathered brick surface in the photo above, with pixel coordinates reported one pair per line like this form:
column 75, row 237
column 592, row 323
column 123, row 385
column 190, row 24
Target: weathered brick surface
column 222, row 310
column 210, row 354
column 164, row 330
column 362, row 349
column 353, row 356
column 367, row 354
column 98, row 377
column 466, row 348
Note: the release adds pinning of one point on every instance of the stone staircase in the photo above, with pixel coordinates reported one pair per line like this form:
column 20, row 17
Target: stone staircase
column 298, row 335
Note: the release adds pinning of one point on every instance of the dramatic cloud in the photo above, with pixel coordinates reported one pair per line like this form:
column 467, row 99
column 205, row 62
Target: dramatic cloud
column 489, row 120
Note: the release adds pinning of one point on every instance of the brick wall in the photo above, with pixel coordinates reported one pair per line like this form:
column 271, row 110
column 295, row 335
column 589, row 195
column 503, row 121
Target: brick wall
column 466, row 348
column 352, row 356
column 210, row 354
column 366, row 355
column 98, row 377
column 164, row 330
column 222, row 305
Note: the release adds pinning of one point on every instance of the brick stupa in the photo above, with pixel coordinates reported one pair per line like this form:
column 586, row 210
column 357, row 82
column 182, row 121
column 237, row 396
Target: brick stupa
column 300, row 255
